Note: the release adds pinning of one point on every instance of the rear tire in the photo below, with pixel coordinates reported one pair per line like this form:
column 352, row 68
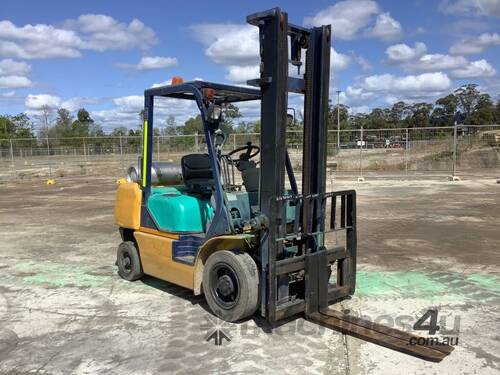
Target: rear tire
column 129, row 262
column 231, row 284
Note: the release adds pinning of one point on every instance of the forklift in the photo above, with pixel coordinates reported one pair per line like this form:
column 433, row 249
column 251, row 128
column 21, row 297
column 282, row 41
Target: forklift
column 258, row 247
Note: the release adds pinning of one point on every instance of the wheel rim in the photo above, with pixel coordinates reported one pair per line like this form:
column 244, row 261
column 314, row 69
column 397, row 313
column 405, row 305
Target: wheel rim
column 126, row 262
column 224, row 286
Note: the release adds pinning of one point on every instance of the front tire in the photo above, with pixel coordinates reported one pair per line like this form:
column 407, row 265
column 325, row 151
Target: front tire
column 231, row 284
column 129, row 262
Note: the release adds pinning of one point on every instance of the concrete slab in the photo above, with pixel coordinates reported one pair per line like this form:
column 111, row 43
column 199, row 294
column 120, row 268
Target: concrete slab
column 63, row 309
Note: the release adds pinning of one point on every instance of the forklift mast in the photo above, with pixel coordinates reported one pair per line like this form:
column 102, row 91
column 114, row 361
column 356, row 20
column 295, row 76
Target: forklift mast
column 310, row 206
column 296, row 263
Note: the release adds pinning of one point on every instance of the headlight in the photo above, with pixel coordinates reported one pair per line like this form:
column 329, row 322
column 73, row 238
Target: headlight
column 214, row 112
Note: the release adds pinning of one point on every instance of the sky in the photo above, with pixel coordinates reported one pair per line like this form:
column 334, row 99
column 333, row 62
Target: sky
column 102, row 55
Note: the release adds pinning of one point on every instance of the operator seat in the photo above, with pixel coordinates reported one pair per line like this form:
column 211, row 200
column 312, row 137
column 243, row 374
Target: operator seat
column 251, row 179
column 249, row 173
column 197, row 173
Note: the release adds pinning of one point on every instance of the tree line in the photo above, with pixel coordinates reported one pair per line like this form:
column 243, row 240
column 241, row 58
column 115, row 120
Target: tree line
column 466, row 105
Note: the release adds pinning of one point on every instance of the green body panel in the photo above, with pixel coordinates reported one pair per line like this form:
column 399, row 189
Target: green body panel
column 176, row 210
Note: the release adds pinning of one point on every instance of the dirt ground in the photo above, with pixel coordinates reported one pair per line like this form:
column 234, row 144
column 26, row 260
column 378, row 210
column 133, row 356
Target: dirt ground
column 422, row 244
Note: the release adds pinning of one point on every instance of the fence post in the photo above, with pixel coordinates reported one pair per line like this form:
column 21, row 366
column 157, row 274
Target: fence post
column 361, row 156
column 11, row 153
column 406, row 152
column 454, row 150
column 121, row 150
column 196, row 141
column 158, row 145
column 84, row 150
column 48, row 156
column 234, row 141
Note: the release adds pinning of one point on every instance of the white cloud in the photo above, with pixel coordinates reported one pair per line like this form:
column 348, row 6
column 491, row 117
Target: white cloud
column 90, row 31
column 240, row 47
column 127, row 108
column 389, row 89
column 386, row 27
column 14, row 82
column 237, row 73
column 12, row 74
column 125, row 111
column 365, row 65
column 8, row 94
column 100, row 33
column 436, row 62
column 208, row 33
column 346, row 17
column 250, row 110
column 476, row 7
column 37, row 41
column 237, row 47
column 411, row 60
column 359, row 109
column 356, row 96
column 411, row 84
column 36, row 102
column 73, row 104
column 475, row 69
column 232, row 45
column 156, row 62
column 338, row 61
column 475, row 45
column 402, row 52
column 128, row 104
column 164, row 83
column 11, row 67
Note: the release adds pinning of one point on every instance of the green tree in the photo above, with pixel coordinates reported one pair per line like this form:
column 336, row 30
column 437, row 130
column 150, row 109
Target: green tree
column 18, row 126
column 119, row 131
column 497, row 112
column 134, row 138
column 445, row 110
column 230, row 112
column 421, row 114
column 467, row 98
column 256, row 126
column 82, row 125
column 45, row 118
column 171, row 128
column 484, row 112
column 398, row 113
column 62, row 127
column 377, row 119
column 193, row 125
column 95, row 130
column 358, row 120
column 332, row 116
column 6, row 130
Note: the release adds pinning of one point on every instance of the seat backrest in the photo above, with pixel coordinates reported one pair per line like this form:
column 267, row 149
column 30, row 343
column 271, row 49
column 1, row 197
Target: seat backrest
column 251, row 179
column 196, row 170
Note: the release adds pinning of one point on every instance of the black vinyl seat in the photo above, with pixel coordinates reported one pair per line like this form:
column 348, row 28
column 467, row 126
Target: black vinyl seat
column 251, row 179
column 197, row 172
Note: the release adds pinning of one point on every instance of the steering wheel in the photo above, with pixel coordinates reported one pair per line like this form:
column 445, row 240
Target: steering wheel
column 248, row 152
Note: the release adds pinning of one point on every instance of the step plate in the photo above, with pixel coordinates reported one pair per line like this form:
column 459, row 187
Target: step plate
column 378, row 334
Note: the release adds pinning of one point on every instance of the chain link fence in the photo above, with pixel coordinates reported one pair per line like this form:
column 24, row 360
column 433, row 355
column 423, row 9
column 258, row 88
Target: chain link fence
column 354, row 152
